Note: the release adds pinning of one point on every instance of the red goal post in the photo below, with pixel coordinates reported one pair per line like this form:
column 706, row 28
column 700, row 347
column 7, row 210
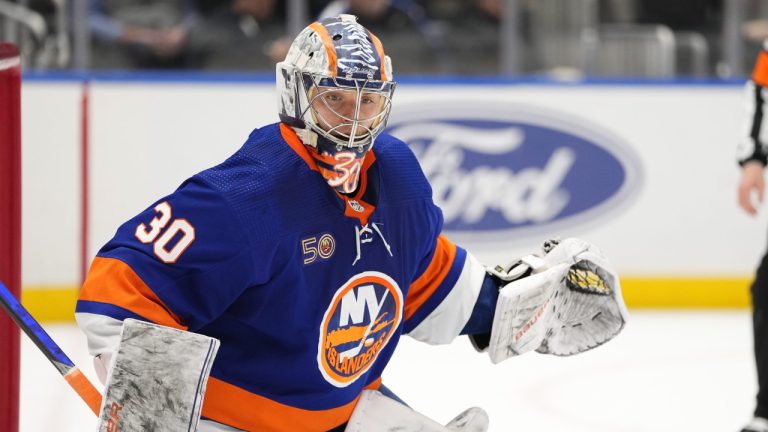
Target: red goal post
column 10, row 229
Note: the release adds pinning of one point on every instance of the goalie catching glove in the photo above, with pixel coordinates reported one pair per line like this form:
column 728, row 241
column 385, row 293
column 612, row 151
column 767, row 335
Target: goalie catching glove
column 564, row 302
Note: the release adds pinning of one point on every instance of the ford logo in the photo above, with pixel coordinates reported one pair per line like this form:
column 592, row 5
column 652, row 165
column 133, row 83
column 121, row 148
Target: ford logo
column 503, row 169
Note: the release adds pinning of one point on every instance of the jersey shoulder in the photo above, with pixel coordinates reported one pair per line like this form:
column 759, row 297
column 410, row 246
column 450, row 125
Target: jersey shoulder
column 401, row 174
column 265, row 181
column 245, row 170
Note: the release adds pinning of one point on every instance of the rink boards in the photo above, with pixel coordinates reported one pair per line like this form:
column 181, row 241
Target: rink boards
column 644, row 170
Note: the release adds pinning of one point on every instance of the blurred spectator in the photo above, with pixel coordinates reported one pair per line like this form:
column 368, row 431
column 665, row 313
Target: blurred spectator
column 697, row 15
column 149, row 33
column 240, row 34
column 42, row 32
column 755, row 30
column 47, row 9
column 402, row 27
column 703, row 17
column 473, row 36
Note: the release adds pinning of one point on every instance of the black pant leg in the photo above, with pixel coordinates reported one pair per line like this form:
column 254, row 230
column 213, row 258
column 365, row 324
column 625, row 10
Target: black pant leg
column 759, row 293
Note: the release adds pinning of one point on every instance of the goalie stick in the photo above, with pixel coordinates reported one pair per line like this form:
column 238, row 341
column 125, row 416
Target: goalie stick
column 76, row 379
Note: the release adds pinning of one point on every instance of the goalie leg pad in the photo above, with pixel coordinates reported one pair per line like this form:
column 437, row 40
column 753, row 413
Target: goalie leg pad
column 375, row 412
column 158, row 379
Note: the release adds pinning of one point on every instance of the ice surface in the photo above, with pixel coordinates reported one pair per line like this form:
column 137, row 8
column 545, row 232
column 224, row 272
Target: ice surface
column 669, row 370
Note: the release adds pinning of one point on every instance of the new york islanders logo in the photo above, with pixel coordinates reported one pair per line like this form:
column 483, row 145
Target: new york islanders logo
column 357, row 325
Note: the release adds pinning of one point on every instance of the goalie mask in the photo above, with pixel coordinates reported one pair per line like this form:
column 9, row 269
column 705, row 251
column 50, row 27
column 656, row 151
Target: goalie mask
column 335, row 90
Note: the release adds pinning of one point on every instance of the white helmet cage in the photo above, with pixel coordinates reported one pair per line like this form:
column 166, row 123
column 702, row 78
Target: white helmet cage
column 332, row 55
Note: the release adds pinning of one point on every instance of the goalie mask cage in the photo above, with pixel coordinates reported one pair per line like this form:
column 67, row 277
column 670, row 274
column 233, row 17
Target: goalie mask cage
column 10, row 229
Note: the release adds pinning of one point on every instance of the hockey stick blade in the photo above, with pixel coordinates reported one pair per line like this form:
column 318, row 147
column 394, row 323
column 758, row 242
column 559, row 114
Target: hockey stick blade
column 76, row 379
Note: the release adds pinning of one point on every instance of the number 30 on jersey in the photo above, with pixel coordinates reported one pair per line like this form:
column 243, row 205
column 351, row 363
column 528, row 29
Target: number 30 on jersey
column 161, row 236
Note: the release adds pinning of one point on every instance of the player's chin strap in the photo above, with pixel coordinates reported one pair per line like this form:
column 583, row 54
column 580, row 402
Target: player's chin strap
column 376, row 412
column 564, row 302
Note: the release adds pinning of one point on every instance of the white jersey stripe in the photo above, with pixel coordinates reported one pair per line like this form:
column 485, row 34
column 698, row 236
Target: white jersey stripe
column 446, row 321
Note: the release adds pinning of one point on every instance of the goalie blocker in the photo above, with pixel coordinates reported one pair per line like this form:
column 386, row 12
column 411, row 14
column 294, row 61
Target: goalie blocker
column 564, row 302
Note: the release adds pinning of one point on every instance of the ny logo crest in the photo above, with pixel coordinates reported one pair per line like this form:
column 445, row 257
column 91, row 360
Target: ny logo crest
column 361, row 319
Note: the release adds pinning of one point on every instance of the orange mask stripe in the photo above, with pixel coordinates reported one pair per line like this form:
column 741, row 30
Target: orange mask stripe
column 329, row 49
column 114, row 282
column 380, row 50
column 242, row 409
column 423, row 287
column 328, row 173
column 760, row 73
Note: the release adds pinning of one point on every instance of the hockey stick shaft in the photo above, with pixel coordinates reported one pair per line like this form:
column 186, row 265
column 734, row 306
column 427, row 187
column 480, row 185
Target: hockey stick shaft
column 76, row 379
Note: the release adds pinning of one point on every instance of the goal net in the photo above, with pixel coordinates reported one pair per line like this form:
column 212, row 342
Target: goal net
column 10, row 229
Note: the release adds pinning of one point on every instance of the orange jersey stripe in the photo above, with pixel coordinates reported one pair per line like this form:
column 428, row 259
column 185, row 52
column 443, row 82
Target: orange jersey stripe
column 239, row 408
column 426, row 284
column 329, row 49
column 370, row 158
column 289, row 135
column 362, row 216
column 368, row 209
column 112, row 281
column 760, row 73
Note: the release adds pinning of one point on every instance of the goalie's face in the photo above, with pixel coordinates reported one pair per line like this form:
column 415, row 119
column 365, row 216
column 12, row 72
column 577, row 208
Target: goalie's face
column 347, row 118
column 336, row 90
column 347, row 114
column 350, row 119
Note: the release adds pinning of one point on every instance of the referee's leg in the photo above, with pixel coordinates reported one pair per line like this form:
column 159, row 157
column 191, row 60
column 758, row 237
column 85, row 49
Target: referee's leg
column 759, row 293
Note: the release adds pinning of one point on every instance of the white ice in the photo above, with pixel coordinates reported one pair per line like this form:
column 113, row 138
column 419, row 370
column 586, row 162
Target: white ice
column 669, row 371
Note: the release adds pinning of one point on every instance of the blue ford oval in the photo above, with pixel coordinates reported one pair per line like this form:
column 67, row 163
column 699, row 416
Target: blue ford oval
column 515, row 168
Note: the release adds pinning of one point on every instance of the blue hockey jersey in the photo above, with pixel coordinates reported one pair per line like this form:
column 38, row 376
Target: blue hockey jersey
column 308, row 290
